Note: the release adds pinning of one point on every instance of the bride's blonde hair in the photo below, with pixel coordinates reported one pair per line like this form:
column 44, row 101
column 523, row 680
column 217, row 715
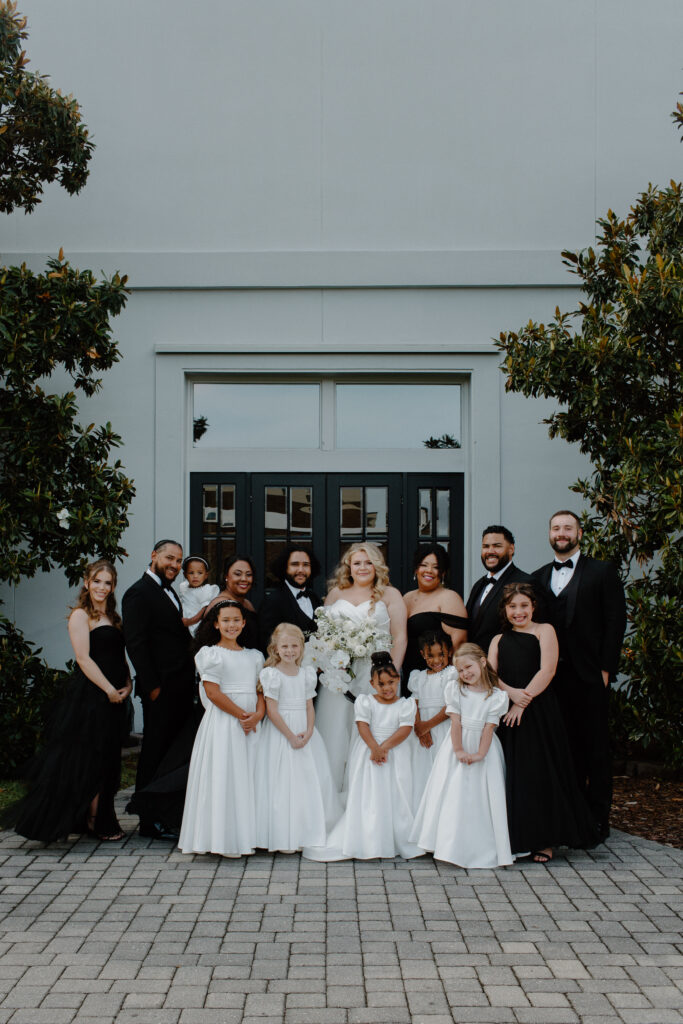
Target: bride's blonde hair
column 343, row 579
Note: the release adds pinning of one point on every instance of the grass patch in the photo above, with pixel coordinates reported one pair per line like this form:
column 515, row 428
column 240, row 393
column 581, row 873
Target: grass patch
column 11, row 790
column 129, row 766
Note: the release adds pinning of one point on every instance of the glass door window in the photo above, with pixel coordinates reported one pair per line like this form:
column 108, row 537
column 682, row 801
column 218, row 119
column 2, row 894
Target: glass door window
column 288, row 518
column 259, row 514
column 217, row 519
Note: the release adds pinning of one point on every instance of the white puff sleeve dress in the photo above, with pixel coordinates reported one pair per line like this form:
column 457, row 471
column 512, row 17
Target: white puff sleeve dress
column 429, row 690
column 462, row 817
column 296, row 800
column 379, row 810
column 219, row 814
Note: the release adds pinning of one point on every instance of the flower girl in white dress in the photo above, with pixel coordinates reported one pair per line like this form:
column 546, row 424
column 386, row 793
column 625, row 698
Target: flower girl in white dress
column 428, row 687
column 462, row 817
column 379, row 810
column 219, row 814
column 296, row 800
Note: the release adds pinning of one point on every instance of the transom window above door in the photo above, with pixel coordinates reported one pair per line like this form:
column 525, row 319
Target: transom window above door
column 326, row 414
column 246, row 415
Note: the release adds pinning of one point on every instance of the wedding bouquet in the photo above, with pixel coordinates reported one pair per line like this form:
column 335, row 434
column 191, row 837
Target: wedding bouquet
column 337, row 642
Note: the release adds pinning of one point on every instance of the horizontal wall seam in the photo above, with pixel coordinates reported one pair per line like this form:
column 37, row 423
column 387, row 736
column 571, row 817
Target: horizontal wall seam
column 321, row 269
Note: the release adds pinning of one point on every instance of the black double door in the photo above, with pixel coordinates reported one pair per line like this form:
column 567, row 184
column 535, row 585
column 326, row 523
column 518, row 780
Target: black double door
column 258, row 514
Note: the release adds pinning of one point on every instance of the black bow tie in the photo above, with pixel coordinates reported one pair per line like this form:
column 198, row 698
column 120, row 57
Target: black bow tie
column 490, row 579
column 303, row 593
column 165, row 583
column 563, row 565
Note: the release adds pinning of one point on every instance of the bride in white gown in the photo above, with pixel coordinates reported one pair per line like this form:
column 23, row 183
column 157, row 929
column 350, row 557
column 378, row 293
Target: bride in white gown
column 360, row 591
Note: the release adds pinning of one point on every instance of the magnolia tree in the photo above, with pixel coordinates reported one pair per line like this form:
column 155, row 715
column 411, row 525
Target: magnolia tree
column 614, row 365
column 62, row 502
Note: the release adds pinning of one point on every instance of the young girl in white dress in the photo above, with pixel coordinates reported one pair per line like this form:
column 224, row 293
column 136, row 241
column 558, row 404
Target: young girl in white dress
column 219, row 814
column 428, row 687
column 462, row 817
column 196, row 593
column 296, row 800
column 379, row 811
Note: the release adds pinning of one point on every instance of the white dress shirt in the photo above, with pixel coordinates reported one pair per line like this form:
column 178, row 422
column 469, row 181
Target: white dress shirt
column 491, row 580
column 304, row 603
column 172, row 596
column 559, row 578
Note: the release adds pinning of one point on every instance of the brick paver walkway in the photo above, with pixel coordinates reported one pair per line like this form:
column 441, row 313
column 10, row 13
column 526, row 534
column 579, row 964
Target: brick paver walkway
column 137, row 933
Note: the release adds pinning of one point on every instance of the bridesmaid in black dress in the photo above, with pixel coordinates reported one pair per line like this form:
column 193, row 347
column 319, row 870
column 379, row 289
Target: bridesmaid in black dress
column 545, row 805
column 239, row 579
column 78, row 773
column 432, row 606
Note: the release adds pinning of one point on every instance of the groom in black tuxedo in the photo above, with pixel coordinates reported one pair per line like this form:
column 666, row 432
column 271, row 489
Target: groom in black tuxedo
column 588, row 610
column 497, row 549
column 292, row 600
column 158, row 645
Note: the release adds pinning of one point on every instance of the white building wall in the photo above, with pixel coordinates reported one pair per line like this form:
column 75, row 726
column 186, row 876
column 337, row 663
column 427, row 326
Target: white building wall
column 319, row 176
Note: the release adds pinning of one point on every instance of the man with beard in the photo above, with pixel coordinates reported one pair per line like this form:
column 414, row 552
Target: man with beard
column 587, row 607
column 158, row 645
column 292, row 600
column 497, row 549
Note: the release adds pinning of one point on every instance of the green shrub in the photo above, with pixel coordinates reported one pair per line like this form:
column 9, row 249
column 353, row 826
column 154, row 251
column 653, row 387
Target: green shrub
column 28, row 688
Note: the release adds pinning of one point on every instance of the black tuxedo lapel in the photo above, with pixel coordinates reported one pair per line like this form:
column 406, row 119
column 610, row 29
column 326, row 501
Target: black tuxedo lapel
column 572, row 589
column 164, row 603
column 299, row 614
column 493, row 596
column 568, row 595
column 476, row 606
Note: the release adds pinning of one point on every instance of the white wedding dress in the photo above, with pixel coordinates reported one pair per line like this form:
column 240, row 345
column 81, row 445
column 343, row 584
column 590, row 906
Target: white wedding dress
column 334, row 717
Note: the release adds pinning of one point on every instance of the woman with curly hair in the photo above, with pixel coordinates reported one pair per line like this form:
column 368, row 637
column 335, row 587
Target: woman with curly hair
column 360, row 591
column 78, row 773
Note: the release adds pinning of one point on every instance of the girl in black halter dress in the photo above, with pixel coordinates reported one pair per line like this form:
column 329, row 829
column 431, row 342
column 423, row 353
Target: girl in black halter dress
column 545, row 805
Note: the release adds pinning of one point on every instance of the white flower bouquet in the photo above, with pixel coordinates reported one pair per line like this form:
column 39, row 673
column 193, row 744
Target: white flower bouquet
column 337, row 642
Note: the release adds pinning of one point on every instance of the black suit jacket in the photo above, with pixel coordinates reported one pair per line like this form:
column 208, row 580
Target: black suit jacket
column 590, row 622
column 281, row 606
column 485, row 619
column 157, row 642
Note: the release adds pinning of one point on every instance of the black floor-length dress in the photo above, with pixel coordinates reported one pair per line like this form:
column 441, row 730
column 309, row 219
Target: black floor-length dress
column 82, row 756
column 545, row 805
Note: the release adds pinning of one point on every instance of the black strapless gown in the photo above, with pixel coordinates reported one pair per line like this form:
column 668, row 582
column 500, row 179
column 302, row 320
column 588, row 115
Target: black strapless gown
column 545, row 805
column 249, row 637
column 418, row 624
column 82, row 756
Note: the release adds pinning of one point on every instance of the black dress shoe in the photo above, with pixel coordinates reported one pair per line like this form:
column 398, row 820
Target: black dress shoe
column 156, row 830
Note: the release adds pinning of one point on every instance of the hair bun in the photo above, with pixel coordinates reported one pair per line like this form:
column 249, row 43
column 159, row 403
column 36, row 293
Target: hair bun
column 380, row 659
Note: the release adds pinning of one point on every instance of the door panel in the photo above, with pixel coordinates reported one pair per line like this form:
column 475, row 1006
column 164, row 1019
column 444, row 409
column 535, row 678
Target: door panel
column 435, row 511
column 258, row 514
column 284, row 509
column 364, row 507
column 219, row 514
